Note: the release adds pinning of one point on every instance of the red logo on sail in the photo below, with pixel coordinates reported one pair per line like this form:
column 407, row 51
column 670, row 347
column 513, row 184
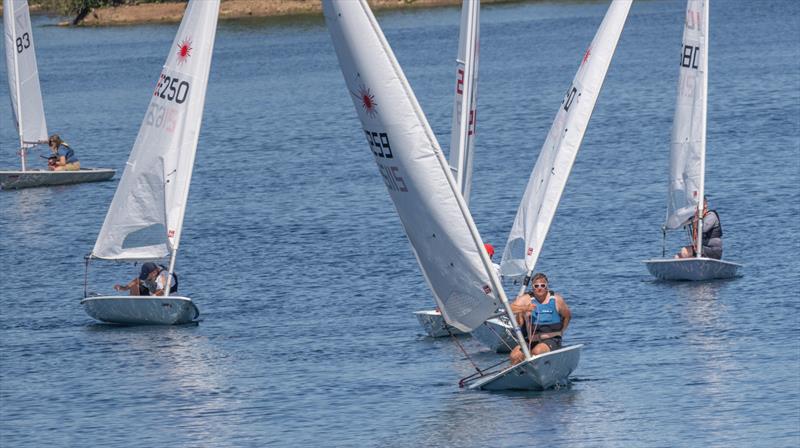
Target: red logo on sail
column 487, row 289
column 171, row 233
column 184, row 50
column 367, row 99
column 586, row 55
column 530, row 251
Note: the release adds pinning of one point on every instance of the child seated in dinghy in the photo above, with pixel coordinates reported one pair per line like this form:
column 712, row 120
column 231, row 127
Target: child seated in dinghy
column 63, row 157
column 543, row 320
column 712, row 235
column 151, row 281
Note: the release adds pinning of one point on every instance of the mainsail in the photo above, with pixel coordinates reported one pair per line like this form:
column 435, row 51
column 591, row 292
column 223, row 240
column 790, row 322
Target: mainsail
column 549, row 176
column 435, row 217
column 462, row 137
column 145, row 218
column 688, row 148
column 23, row 74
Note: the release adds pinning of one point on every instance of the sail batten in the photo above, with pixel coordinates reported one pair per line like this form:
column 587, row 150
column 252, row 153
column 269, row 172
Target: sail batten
column 23, row 74
column 145, row 218
column 688, row 139
column 417, row 176
column 557, row 155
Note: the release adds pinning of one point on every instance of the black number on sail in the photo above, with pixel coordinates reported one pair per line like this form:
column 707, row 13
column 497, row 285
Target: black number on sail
column 171, row 89
column 689, row 56
column 570, row 96
column 379, row 144
column 23, row 42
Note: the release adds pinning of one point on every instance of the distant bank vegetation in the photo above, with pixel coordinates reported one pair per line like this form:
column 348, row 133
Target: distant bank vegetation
column 80, row 8
column 71, row 7
column 124, row 12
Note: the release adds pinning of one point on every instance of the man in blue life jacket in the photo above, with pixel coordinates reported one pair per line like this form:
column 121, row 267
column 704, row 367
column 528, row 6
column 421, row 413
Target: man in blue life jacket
column 543, row 316
column 62, row 157
column 151, row 281
column 712, row 235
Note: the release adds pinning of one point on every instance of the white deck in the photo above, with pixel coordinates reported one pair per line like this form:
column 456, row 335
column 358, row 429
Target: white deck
column 538, row 373
column 433, row 323
column 141, row 310
column 10, row 180
column 695, row 269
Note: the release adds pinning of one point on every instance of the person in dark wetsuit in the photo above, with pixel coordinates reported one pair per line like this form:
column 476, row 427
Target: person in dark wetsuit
column 543, row 320
column 712, row 235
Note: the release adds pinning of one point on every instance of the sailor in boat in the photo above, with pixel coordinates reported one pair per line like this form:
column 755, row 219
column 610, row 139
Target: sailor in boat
column 712, row 235
column 62, row 157
column 151, row 281
column 543, row 320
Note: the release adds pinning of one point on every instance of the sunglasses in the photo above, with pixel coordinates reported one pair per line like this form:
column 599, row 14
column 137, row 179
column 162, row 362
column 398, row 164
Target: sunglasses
column 542, row 285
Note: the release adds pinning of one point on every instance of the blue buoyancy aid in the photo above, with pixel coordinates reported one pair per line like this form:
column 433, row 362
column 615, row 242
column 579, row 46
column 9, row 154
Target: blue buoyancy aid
column 68, row 153
column 545, row 317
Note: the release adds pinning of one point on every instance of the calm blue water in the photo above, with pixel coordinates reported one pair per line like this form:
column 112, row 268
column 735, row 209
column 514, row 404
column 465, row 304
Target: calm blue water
column 306, row 283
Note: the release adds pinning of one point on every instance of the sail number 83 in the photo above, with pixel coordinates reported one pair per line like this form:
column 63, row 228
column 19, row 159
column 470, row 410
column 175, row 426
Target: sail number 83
column 23, row 42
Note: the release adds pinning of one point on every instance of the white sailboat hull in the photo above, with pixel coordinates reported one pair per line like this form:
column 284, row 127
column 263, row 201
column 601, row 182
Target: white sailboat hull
column 10, row 180
column 538, row 373
column 496, row 334
column 141, row 310
column 694, row 269
column 434, row 324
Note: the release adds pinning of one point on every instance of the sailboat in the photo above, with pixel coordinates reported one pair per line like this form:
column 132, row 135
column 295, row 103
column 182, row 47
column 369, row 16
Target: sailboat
column 688, row 154
column 26, row 102
column 495, row 333
column 541, row 198
column 419, row 180
column 462, row 137
column 145, row 219
column 433, row 212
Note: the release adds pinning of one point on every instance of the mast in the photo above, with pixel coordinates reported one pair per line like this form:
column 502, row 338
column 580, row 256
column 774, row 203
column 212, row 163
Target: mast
column 703, row 125
column 464, row 110
column 12, row 14
column 462, row 206
column 548, row 179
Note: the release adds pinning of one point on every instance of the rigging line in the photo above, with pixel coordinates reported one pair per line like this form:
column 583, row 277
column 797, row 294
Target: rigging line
column 86, row 276
column 453, row 337
column 502, row 339
column 486, row 372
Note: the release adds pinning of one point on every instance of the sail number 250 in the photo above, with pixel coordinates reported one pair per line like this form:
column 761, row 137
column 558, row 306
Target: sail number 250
column 171, row 89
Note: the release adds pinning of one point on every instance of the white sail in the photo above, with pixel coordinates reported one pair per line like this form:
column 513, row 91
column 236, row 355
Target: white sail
column 549, row 176
column 23, row 74
column 688, row 147
column 462, row 137
column 145, row 218
column 434, row 216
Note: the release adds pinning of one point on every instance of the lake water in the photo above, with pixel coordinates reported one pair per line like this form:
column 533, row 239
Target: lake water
column 307, row 284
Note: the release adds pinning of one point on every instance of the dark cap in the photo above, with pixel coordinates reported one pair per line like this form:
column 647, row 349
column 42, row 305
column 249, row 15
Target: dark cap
column 147, row 268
